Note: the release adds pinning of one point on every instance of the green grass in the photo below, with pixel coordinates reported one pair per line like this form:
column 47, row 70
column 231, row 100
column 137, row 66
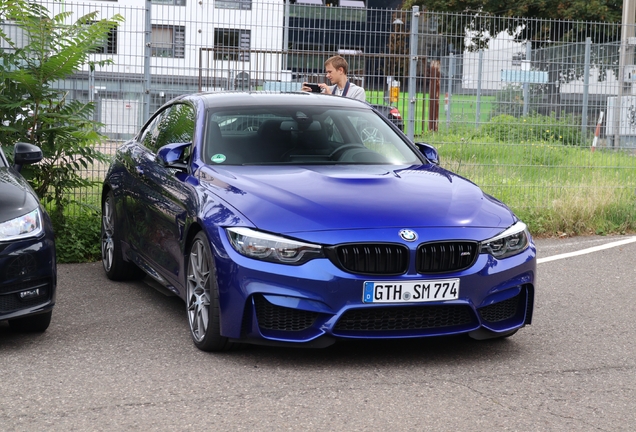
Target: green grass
column 556, row 189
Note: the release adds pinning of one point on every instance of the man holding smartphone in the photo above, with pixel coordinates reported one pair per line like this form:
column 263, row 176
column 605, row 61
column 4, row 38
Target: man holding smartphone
column 336, row 68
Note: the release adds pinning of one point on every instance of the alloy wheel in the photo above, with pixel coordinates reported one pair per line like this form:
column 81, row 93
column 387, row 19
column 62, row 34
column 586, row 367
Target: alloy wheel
column 198, row 291
column 108, row 231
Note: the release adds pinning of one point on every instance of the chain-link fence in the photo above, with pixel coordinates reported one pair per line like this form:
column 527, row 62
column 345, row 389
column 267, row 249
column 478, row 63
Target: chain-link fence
column 520, row 106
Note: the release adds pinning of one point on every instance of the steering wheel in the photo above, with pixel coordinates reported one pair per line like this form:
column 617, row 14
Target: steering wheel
column 344, row 148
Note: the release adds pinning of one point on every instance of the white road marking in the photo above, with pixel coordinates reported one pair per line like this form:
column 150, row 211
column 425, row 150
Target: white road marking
column 587, row 251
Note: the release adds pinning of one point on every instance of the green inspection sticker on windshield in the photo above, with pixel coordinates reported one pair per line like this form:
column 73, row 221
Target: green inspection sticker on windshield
column 218, row 158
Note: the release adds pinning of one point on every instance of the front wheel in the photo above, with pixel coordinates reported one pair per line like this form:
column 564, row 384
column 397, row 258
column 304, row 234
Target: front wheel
column 202, row 301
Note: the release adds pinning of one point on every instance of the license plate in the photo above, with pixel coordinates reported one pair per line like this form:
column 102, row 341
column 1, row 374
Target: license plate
column 411, row 292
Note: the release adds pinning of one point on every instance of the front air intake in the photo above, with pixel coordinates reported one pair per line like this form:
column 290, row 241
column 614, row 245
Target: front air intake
column 273, row 317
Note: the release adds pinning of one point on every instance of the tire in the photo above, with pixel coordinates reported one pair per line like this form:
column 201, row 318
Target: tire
column 202, row 298
column 32, row 324
column 115, row 266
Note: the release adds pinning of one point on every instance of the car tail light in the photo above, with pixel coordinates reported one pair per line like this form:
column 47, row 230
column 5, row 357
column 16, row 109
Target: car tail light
column 395, row 113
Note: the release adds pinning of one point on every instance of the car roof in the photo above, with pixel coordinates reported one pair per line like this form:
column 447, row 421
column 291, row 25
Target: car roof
column 262, row 98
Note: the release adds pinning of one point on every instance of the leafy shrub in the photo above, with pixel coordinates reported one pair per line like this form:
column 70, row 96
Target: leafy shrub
column 508, row 101
column 50, row 49
column 535, row 128
column 78, row 237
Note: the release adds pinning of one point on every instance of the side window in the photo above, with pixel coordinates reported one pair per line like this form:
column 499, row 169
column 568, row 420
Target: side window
column 151, row 133
column 175, row 124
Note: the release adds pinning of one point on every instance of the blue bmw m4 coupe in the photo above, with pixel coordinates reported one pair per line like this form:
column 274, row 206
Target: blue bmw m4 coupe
column 303, row 219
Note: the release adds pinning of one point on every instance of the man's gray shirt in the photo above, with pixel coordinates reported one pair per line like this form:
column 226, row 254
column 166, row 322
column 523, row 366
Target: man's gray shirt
column 354, row 92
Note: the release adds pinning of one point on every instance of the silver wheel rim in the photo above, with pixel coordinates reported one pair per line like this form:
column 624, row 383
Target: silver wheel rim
column 198, row 291
column 371, row 134
column 107, row 235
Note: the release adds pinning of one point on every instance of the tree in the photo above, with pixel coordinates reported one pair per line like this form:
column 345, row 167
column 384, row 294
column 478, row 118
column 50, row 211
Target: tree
column 529, row 20
column 555, row 28
column 45, row 48
column 578, row 10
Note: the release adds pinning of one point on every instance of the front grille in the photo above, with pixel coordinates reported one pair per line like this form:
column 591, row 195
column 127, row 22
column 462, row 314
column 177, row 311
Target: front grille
column 446, row 257
column 500, row 311
column 368, row 258
column 404, row 318
column 272, row 317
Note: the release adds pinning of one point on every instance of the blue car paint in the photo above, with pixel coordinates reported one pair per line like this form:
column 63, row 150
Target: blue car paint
column 308, row 198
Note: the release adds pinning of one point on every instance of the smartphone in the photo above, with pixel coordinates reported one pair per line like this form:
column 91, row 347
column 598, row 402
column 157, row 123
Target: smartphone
column 315, row 88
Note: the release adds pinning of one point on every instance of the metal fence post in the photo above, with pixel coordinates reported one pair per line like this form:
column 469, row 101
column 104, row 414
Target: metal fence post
column 586, row 85
column 413, row 72
column 478, row 103
column 626, row 57
column 285, row 34
column 147, row 56
column 91, row 84
column 526, row 86
column 449, row 88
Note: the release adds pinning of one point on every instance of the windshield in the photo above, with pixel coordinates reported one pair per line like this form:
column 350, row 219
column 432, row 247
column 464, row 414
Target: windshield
column 302, row 135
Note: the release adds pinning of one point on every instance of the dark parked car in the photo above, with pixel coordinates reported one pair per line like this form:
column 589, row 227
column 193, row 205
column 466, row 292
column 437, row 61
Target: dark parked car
column 28, row 275
column 281, row 219
column 392, row 113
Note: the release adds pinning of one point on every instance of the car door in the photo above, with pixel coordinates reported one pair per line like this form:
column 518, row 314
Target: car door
column 160, row 197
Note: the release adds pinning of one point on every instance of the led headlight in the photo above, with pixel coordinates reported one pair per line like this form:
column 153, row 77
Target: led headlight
column 28, row 225
column 268, row 247
column 512, row 241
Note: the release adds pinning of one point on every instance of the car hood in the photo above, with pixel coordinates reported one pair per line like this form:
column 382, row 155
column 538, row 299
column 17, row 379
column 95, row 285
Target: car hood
column 16, row 196
column 336, row 197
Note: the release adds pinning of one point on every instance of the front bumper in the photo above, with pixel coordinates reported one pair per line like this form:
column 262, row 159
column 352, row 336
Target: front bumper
column 29, row 277
column 318, row 303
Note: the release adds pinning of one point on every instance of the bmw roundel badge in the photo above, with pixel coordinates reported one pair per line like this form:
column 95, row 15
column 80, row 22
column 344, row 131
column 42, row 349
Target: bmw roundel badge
column 408, row 235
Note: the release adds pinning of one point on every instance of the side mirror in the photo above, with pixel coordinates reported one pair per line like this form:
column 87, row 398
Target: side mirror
column 429, row 152
column 171, row 155
column 25, row 154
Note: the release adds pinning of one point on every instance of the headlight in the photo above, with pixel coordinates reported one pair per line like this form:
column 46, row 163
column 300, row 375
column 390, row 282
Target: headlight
column 28, row 225
column 268, row 247
column 512, row 241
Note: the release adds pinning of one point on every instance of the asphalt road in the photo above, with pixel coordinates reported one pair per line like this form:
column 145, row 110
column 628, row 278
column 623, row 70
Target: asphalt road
column 118, row 356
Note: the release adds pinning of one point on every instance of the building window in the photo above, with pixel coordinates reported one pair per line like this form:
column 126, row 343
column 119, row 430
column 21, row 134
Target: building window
column 14, row 34
column 110, row 43
column 232, row 44
column 170, row 2
column 233, row 4
column 168, row 41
